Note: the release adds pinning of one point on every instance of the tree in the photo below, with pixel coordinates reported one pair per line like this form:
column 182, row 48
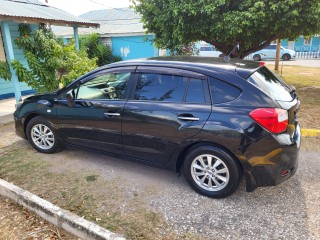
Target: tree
column 5, row 71
column 96, row 49
column 188, row 49
column 50, row 64
column 224, row 23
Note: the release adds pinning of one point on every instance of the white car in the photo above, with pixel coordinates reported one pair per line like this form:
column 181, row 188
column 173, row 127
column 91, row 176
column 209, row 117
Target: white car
column 209, row 51
column 270, row 53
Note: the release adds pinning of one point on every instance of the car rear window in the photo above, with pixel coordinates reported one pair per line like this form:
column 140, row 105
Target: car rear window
column 271, row 84
column 223, row 92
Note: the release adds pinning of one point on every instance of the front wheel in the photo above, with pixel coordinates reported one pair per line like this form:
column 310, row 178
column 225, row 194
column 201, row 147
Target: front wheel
column 42, row 136
column 257, row 57
column 286, row 57
column 211, row 171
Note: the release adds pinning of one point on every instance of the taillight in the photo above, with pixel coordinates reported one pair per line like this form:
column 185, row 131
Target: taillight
column 274, row 120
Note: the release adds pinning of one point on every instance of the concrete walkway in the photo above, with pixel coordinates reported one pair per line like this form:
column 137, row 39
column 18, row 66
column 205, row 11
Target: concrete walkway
column 7, row 108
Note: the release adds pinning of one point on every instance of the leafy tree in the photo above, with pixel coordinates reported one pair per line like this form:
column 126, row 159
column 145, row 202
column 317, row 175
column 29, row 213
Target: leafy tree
column 50, row 64
column 224, row 23
column 5, row 71
column 188, row 49
column 96, row 49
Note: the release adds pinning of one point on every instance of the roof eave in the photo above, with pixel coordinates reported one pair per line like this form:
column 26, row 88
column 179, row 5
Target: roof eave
column 56, row 22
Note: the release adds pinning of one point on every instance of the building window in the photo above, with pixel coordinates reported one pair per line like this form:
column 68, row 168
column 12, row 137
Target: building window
column 2, row 52
column 307, row 41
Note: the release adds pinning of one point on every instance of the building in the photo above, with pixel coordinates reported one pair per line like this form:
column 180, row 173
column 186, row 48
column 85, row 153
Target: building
column 122, row 30
column 303, row 44
column 33, row 12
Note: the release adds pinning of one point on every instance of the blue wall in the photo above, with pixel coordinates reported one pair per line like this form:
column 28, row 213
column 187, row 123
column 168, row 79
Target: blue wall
column 313, row 47
column 6, row 87
column 133, row 47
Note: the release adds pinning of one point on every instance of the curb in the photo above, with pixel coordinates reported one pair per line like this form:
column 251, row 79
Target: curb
column 55, row 215
column 310, row 132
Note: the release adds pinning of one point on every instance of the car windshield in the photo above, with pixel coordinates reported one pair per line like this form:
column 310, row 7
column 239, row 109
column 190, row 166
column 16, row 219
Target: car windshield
column 271, row 84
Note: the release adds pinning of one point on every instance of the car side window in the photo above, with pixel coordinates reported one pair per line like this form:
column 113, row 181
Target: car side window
column 195, row 93
column 105, row 86
column 160, row 87
column 223, row 92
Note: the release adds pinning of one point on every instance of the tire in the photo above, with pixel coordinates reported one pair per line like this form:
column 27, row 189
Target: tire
column 286, row 57
column 42, row 136
column 209, row 182
column 257, row 57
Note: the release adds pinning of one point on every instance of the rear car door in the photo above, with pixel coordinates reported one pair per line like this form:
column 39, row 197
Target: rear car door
column 166, row 107
column 94, row 120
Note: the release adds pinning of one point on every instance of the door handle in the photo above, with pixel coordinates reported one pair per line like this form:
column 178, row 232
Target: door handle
column 188, row 118
column 111, row 114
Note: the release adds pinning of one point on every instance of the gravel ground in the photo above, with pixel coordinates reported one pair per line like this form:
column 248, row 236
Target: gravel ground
column 288, row 211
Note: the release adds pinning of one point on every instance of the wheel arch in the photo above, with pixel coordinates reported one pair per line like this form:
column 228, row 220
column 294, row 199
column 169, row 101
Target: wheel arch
column 27, row 120
column 184, row 152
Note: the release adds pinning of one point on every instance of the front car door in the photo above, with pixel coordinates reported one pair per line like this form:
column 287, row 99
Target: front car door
column 94, row 118
column 167, row 106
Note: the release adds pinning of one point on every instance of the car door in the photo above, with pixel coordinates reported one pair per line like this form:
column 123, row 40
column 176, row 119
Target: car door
column 93, row 119
column 270, row 52
column 167, row 106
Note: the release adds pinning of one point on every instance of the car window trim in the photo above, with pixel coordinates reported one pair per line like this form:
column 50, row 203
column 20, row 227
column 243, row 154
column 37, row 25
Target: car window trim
column 170, row 71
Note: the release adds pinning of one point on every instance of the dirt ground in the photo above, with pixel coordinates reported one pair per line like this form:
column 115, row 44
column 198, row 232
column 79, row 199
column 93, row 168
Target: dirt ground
column 17, row 223
column 144, row 202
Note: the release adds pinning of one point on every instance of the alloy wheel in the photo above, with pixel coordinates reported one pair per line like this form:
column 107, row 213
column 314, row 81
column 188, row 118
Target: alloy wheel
column 42, row 136
column 210, row 172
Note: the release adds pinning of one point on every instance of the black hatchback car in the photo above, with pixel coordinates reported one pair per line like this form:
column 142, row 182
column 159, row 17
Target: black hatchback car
column 213, row 120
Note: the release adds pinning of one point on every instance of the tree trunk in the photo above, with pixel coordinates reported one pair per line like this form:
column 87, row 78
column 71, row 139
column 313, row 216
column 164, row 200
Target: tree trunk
column 276, row 66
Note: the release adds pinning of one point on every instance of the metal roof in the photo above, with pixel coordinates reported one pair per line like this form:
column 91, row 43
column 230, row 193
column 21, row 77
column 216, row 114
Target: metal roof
column 34, row 11
column 113, row 22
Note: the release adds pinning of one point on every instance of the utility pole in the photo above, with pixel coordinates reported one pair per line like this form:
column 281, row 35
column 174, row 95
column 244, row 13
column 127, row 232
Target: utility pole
column 276, row 66
column 46, row 1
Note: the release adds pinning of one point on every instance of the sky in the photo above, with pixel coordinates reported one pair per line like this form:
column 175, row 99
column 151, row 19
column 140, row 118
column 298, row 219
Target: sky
column 78, row 7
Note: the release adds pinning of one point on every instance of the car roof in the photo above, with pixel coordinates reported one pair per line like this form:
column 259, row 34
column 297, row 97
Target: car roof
column 212, row 65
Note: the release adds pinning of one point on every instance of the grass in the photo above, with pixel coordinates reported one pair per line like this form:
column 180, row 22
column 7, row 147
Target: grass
column 105, row 202
column 307, row 82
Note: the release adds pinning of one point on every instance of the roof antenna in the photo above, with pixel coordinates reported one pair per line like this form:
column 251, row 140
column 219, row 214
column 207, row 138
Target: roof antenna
column 227, row 58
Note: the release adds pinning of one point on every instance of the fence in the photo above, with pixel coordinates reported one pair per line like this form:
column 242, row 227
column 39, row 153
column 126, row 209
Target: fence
column 307, row 55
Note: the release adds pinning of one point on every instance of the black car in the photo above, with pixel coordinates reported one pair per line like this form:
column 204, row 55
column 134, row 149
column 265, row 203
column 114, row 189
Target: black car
column 215, row 121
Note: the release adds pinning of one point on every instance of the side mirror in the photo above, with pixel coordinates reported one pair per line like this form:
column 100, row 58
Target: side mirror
column 70, row 99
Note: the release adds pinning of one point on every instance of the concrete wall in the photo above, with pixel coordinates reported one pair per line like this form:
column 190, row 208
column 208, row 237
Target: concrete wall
column 6, row 87
column 132, row 47
column 314, row 46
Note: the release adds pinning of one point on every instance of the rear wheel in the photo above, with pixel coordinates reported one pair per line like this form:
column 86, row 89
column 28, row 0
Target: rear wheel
column 42, row 135
column 257, row 57
column 286, row 57
column 211, row 171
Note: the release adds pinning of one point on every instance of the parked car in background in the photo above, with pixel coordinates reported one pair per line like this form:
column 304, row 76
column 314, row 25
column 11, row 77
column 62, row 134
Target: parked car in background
column 215, row 121
column 209, row 51
column 270, row 53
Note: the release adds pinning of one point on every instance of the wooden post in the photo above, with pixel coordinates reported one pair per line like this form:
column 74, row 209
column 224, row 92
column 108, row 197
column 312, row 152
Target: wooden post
column 7, row 40
column 76, row 37
column 276, row 66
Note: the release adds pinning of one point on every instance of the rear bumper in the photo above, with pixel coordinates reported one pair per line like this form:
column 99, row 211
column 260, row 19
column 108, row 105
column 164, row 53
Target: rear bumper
column 278, row 165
